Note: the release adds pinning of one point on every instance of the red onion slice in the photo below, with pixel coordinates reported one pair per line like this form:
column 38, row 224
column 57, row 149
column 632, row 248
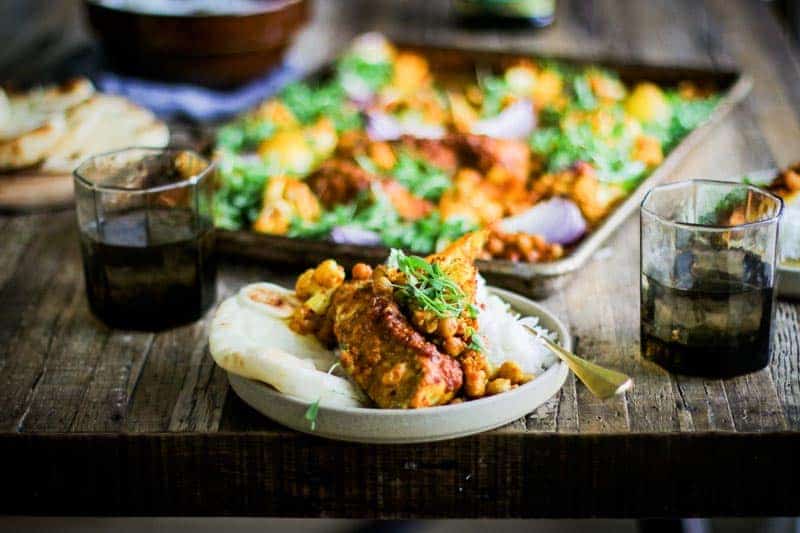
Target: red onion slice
column 384, row 127
column 354, row 235
column 517, row 121
column 558, row 220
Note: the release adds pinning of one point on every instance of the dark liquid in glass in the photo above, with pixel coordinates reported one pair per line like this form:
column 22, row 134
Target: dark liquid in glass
column 149, row 270
column 712, row 326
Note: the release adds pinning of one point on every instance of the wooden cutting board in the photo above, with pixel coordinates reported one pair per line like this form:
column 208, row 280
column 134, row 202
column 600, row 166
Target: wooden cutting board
column 29, row 190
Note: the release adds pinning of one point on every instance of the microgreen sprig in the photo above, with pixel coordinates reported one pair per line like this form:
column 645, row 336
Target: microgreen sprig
column 427, row 285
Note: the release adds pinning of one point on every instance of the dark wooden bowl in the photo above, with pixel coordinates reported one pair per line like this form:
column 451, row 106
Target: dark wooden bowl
column 212, row 50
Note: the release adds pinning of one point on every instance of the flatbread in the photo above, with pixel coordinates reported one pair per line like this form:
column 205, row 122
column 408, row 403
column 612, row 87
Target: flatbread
column 55, row 128
column 31, row 123
column 102, row 124
column 250, row 339
column 21, row 113
column 28, row 149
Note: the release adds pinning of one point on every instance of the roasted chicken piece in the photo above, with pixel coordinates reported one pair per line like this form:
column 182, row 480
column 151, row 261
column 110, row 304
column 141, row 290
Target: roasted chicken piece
column 394, row 364
column 486, row 153
column 437, row 152
column 408, row 206
column 485, row 200
column 338, row 181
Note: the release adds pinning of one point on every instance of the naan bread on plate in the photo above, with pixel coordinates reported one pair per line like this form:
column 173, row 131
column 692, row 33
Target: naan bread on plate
column 31, row 123
column 250, row 337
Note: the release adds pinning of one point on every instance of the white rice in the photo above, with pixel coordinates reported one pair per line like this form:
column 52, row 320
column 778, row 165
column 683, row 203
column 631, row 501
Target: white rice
column 505, row 338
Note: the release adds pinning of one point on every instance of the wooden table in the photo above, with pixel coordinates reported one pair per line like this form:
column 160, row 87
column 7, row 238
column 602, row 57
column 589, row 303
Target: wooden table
column 96, row 421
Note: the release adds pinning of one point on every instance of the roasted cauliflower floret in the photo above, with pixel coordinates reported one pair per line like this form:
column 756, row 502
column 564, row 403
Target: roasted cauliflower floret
column 285, row 198
column 314, row 288
column 647, row 149
column 604, row 86
column 471, row 198
column 277, row 113
column 411, row 72
column 580, row 183
column 648, row 103
column 548, row 90
column 290, row 150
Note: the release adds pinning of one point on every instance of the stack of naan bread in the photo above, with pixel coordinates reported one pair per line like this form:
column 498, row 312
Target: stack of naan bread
column 49, row 131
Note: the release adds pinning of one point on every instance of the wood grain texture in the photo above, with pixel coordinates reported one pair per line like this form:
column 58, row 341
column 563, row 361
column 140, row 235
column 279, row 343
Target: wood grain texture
column 96, row 421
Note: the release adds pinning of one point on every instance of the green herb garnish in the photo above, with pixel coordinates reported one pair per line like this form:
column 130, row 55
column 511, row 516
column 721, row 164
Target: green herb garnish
column 475, row 343
column 313, row 410
column 420, row 177
column 427, row 285
column 311, row 414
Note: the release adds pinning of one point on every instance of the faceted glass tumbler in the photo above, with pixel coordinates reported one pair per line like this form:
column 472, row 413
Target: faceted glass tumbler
column 708, row 267
column 146, row 230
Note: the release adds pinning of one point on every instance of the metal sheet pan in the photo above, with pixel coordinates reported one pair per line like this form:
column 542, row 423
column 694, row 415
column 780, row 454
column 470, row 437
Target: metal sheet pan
column 532, row 279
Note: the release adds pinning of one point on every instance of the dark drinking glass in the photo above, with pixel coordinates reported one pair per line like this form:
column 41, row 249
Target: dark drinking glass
column 708, row 255
column 147, row 236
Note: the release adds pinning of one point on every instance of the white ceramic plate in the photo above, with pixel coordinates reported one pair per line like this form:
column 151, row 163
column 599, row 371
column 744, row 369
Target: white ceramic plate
column 398, row 426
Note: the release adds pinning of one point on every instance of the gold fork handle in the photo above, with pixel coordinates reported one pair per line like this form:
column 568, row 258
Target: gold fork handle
column 602, row 382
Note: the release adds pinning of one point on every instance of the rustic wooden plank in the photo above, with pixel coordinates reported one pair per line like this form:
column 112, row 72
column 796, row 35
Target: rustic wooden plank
column 31, row 305
column 104, row 407
column 785, row 366
column 590, row 311
column 754, row 403
column 61, row 386
column 533, row 475
column 545, row 417
column 19, row 233
column 164, row 375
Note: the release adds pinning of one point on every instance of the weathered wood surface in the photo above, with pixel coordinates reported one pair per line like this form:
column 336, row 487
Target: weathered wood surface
column 95, row 421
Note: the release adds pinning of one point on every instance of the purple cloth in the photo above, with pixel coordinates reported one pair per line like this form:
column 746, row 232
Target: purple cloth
column 169, row 100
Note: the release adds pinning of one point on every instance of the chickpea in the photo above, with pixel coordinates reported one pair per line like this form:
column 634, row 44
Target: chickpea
column 430, row 325
column 556, row 251
column 495, row 246
column 532, row 257
column 448, row 327
column 453, row 345
column 497, row 386
column 538, row 242
column 362, row 271
column 381, row 283
column 524, row 243
column 511, row 371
